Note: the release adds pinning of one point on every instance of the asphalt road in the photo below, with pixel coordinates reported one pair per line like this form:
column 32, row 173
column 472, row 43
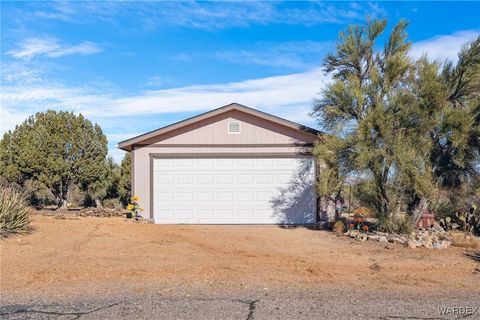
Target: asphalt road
column 322, row 304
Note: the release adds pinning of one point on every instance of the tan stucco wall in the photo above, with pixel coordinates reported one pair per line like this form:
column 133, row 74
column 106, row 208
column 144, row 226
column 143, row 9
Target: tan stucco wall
column 201, row 138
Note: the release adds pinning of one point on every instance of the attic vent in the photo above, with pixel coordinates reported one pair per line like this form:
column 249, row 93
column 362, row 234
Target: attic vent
column 233, row 127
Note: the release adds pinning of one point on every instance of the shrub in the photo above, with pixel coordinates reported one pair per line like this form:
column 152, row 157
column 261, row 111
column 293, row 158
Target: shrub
column 113, row 204
column 401, row 225
column 14, row 212
column 339, row 226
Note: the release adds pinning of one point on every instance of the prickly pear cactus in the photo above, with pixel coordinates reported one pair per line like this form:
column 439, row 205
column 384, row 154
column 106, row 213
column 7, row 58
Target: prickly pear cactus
column 464, row 221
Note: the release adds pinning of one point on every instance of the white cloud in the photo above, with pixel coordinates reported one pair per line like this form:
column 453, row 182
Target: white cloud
column 293, row 55
column 272, row 93
column 443, row 47
column 50, row 47
column 287, row 96
column 207, row 15
column 279, row 95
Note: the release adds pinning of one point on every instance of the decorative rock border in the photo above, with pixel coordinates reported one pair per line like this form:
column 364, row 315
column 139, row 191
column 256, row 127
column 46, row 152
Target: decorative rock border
column 432, row 238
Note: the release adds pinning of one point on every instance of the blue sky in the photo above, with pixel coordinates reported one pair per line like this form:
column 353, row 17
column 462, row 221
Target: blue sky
column 136, row 66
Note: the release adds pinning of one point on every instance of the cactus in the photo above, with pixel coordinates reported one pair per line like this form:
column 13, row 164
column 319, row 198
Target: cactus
column 464, row 221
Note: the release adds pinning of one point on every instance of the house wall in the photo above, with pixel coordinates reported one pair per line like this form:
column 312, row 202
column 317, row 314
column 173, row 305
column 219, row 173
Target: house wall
column 257, row 137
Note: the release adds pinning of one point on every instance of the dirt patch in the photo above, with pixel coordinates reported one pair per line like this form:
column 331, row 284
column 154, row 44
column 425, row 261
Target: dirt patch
column 90, row 253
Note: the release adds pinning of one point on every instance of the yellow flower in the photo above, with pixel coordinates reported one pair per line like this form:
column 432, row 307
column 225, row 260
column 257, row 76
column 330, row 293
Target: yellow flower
column 141, row 209
column 130, row 207
column 135, row 198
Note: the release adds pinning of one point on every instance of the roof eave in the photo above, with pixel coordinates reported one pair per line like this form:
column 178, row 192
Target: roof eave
column 127, row 144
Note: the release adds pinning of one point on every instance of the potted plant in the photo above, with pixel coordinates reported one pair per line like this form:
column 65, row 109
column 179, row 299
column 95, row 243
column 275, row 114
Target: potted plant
column 134, row 208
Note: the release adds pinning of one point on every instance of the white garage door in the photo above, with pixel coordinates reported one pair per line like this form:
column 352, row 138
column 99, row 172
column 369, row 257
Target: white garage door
column 234, row 190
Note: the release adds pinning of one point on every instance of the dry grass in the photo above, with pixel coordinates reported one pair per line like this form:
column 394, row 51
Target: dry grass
column 462, row 240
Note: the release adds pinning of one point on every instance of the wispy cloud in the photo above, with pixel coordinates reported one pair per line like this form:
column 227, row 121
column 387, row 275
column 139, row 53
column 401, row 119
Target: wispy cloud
column 209, row 15
column 287, row 96
column 50, row 47
column 443, row 47
column 290, row 55
column 271, row 93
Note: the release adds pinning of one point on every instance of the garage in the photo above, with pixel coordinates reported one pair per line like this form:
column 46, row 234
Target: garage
column 233, row 190
column 231, row 165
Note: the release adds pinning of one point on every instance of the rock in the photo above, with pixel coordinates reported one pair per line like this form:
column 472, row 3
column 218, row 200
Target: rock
column 373, row 237
column 437, row 245
column 363, row 237
column 397, row 240
column 383, row 239
column 354, row 233
column 438, row 228
column 427, row 242
column 411, row 244
column 441, row 244
column 347, row 233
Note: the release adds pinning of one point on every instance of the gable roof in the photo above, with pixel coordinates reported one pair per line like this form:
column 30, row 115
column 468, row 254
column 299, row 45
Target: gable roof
column 127, row 144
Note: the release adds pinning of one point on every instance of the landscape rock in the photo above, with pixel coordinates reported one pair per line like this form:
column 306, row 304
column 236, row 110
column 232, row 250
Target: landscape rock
column 431, row 238
column 441, row 244
column 411, row 244
column 427, row 243
column 382, row 239
column 438, row 228
column 397, row 240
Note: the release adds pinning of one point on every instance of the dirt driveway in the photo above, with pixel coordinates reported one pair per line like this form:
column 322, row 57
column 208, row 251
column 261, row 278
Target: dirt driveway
column 93, row 254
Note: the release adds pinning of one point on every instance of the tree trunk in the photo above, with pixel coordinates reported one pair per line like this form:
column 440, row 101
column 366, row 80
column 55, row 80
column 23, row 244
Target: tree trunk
column 63, row 196
column 63, row 204
column 98, row 203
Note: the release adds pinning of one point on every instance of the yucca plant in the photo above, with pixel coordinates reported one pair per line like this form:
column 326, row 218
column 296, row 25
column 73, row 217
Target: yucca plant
column 14, row 212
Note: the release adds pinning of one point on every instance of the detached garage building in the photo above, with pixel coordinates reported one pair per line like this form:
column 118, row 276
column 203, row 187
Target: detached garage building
column 232, row 165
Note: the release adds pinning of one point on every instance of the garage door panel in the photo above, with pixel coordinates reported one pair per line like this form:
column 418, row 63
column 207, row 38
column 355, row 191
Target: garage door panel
column 205, row 178
column 245, row 163
column 185, row 178
column 204, row 163
column 225, row 162
column 164, row 179
column 225, row 215
column 225, row 197
column 245, row 178
column 207, row 197
column 234, row 190
column 245, row 196
column 185, row 163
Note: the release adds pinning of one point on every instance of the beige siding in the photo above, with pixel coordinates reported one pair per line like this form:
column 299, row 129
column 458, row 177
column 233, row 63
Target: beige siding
column 254, row 130
column 211, row 137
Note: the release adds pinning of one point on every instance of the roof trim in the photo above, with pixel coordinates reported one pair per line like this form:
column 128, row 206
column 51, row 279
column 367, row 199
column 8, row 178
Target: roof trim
column 127, row 144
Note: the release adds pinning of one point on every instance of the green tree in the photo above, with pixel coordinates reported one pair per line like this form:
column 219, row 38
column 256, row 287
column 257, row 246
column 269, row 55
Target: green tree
column 105, row 185
column 369, row 106
column 449, row 96
column 125, row 182
column 57, row 149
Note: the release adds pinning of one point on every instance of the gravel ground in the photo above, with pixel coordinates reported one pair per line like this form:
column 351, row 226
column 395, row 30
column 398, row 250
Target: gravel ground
column 315, row 304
